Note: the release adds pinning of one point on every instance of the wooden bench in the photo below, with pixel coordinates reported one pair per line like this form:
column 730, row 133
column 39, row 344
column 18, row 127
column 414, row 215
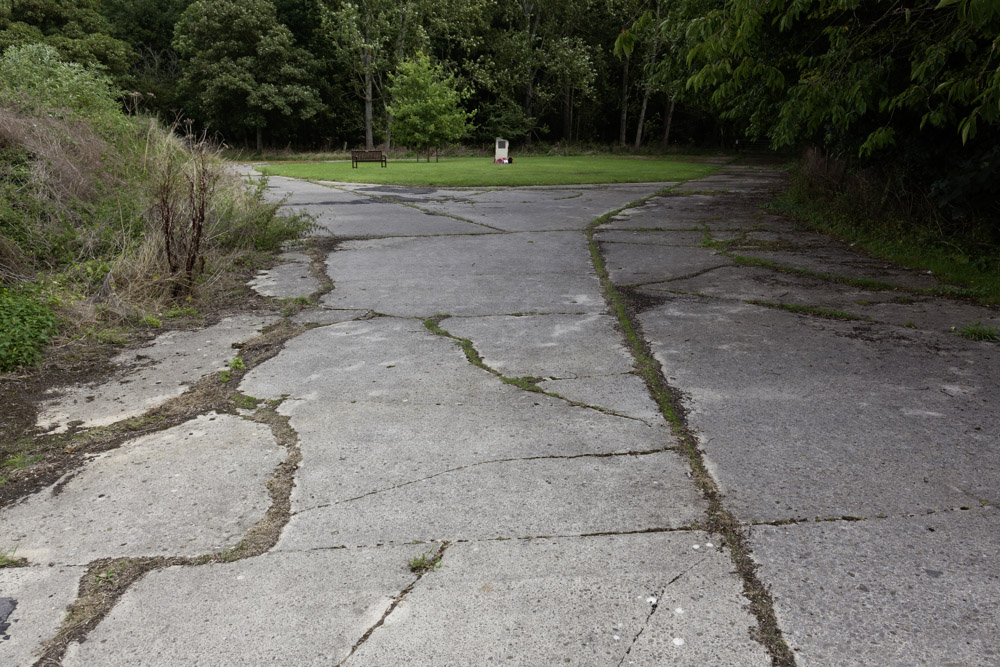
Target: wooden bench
column 367, row 156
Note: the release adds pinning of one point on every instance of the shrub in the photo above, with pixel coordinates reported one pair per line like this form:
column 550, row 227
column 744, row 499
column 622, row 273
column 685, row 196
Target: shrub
column 26, row 325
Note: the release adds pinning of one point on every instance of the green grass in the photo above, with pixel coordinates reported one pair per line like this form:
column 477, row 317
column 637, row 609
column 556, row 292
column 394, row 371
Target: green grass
column 481, row 172
column 979, row 331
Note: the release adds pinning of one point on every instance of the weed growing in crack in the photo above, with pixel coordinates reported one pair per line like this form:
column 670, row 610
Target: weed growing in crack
column 979, row 331
column 7, row 558
column 426, row 562
column 245, row 402
column 237, row 364
column 720, row 520
column 107, row 576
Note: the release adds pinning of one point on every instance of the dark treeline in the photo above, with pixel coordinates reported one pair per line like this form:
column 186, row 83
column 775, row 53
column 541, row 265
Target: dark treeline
column 900, row 98
column 311, row 73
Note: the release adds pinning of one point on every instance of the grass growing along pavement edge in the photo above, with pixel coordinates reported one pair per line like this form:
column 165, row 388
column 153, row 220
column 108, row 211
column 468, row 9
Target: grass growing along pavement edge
column 481, row 172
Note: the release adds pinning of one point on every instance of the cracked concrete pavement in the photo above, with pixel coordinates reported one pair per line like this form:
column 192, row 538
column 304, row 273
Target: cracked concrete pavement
column 465, row 394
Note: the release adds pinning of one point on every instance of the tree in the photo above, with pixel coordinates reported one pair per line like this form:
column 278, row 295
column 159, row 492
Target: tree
column 74, row 28
column 240, row 66
column 426, row 106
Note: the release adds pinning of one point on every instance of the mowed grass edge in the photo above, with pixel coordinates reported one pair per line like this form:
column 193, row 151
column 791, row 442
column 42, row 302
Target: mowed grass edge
column 481, row 172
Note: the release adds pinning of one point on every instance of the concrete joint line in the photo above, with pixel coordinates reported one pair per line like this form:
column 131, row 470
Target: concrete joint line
column 438, row 556
column 719, row 520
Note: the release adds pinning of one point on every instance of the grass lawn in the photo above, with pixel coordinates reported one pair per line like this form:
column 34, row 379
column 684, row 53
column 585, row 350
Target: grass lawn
column 480, row 171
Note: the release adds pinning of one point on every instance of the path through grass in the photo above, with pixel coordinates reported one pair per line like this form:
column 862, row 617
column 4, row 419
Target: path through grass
column 480, row 171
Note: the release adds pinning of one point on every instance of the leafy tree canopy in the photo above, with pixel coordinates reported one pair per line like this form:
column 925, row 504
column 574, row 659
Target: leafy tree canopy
column 241, row 66
column 75, row 28
column 425, row 105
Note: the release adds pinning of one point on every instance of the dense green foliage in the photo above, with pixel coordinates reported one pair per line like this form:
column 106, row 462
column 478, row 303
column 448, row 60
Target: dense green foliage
column 26, row 324
column 105, row 216
column 426, row 107
column 241, row 65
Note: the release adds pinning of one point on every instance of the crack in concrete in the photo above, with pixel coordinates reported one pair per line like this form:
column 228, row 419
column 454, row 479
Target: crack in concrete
column 107, row 580
column 529, row 383
column 656, row 530
column 878, row 517
column 719, row 520
column 655, row 605
column 438, row 556
column 389, row 200
column 554, row 457
column 687, row 276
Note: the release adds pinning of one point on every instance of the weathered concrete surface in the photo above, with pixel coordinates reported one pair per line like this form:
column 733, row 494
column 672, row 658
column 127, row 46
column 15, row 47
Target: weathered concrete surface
column 605, row 600
column 554, row 346
column 192, row 489
column 805, row 417
column 39, row 597
column 802, row 417
column 481, row 456
column 581, row 496
column 547, row 272
column 279, row 609
column 345, row 212
column 545, row 208
column 915, row 590
column 561, row 524
column 151, row 375
column 288, row 280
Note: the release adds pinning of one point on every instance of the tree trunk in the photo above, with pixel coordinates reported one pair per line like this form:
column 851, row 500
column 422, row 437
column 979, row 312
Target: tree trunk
column 642, row 117
column 670, row 119
column 260, row 140
column 369, row 139
column 624, row 119
column 568, row 115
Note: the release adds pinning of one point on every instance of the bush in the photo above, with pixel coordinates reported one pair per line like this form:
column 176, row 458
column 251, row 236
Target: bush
column 26, row 325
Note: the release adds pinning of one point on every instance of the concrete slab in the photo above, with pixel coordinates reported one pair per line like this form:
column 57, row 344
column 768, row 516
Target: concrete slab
column 291, row 279
column 580, row 601
column 691, row 211
column 551, row 346
column 463, row 275
column 752, row 283
column 342, row 212
column 151, row 375
column 33, row 603
column 277, row 609
column 508, row 499
column 629, row 264
column 921, row 590
column 804, row 418
column 397, row 408
column 539, row 209
column 186, row 491
column 737, row 178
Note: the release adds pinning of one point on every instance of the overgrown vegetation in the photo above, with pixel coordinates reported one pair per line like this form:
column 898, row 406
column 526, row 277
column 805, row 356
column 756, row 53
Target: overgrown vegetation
column 106, row 219
column 860, row 208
